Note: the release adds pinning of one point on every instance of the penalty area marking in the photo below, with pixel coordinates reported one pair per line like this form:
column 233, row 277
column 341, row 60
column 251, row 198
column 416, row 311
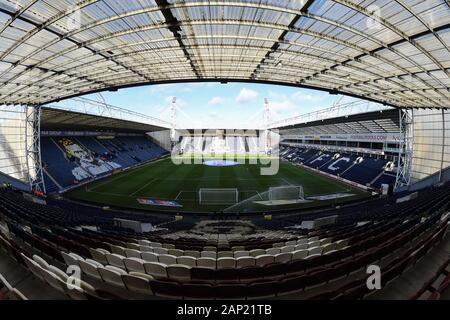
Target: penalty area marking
column 183, row 192
column 289, row 184
column 123, row 174
column 178, row 195
column 143, row 187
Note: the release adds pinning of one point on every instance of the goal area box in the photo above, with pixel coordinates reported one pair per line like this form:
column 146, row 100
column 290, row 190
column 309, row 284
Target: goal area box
column 218, row 196
column 286, row 193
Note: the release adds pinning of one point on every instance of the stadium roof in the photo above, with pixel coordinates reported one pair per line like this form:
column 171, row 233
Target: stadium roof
column 392, row 51
column 60, row 120
column 384, row 121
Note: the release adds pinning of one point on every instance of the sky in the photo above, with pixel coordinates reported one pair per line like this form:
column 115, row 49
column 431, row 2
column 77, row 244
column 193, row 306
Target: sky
column 215, row 105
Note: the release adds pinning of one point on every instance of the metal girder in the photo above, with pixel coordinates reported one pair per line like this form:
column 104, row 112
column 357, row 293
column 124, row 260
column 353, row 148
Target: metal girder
column 283, row 35
column 283, row 51
column 430, row 30
column 12, row 93
column 44, row 26
column 119, row 38
column 175, row 27
column 38, row 27
column 348, row 113
column 391, row 27
column 424, row 100
column 33, row 148
column 249, row 23
column 17, row 14
column 355, row 68
column 405, row 156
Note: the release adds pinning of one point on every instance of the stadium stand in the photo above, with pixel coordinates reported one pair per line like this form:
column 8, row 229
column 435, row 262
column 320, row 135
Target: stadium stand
column 363, row 170
column 229, row 144
column 58, row 165
column 388, row 179
column 321, row 160
column 340, row 165
column 437, row 285
column 262, row 264
column 8, row 292
column 71, row 160
column 141, row 232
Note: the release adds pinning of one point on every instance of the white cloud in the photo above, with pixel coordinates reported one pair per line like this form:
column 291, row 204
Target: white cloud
column 173, row 88
column 282, row 106
column 247, row 95
column 290, row 105
column 213, row 115
column 216, row 101
column 301, row 96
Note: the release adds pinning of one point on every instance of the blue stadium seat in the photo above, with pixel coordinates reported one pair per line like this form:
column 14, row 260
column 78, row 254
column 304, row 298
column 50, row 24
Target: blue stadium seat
column 384, row 179
column 126, row 151
column 365, row 171
column 338, row 166
column 56, row 164
column 320, row 160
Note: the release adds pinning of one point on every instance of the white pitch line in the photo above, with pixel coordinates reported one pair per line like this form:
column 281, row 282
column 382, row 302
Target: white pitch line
column 145, row 185
column 259, row 195
column 286, row 181
column 125, row 174
column 113, row 179
column 178, row 195
column 109, row 194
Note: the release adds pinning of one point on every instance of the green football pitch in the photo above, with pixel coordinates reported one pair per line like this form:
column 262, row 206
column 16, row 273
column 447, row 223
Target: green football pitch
column 167, row 181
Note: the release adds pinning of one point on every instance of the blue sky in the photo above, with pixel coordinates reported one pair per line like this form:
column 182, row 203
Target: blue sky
column 215, row 105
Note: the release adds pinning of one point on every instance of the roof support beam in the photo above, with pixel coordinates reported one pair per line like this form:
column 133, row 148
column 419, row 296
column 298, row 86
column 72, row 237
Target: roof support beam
column 17, row 14
column 60, row 35
column 316, row 86
column 249, row 23
column 435, row 32
column 165, row 41
column 175, row 27
column 282, row 37
column 393, row 28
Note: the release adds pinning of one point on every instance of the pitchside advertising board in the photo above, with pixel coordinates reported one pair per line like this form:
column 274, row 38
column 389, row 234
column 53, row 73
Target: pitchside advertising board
column 369, row 137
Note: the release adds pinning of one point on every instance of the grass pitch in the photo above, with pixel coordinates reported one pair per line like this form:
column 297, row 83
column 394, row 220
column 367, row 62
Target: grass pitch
column 164, row 180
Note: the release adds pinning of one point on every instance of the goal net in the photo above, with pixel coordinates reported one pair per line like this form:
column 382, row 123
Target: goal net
column 218, row 196
column 286, row 193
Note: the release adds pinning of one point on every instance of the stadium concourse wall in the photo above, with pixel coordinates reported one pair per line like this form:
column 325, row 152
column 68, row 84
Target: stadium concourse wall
column 16, row 137
column 162, row 138
column 17, row 184
column 435, row 179
column 431, row 143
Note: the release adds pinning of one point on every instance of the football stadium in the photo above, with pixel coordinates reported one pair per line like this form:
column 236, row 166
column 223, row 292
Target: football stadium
column 224, row 150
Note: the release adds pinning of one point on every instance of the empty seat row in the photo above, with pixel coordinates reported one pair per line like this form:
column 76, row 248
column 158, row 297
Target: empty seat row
column 316, row 246
column 237, row 260
column 175, row 281
column 7, row 291
column 179, row 268
column 312, row 242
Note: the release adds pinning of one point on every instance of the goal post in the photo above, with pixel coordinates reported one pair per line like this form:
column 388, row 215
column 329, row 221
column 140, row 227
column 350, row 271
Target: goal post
column 286, row 193
column 219, row 196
